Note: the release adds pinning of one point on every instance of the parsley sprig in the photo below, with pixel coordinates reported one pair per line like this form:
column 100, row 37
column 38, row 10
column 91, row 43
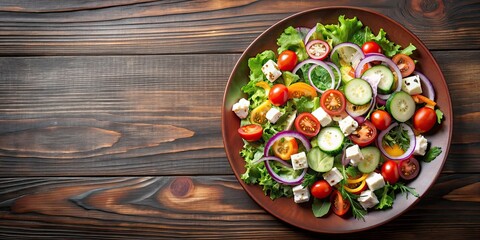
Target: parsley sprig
column 397, row 136
column 357, row 210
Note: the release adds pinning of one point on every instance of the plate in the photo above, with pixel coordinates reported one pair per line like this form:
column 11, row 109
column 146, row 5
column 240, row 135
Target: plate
column 301, row 215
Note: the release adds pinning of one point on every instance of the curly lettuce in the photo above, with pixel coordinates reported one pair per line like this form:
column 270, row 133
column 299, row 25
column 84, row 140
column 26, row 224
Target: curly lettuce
column 291, row 39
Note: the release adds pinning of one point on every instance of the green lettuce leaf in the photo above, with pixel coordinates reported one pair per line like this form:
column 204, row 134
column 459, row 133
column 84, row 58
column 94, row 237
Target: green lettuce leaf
column 341, row 32
column 290, row 39
column 256, row 63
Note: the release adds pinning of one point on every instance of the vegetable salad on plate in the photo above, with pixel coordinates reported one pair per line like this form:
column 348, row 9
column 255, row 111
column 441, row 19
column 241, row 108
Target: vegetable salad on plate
column 336, row 117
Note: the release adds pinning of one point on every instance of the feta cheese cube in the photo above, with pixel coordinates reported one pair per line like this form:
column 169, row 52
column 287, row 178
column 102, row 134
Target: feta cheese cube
column 299, row 161
column 353, row 153
column 368, row 199
column 333, row 176
column 375, row 181
column 412, row 85
column 273, row 115
column 241, row 108
column 322, row 116
column 300, row 194
column 420, row 146
column 348, row 125
column 270, row 69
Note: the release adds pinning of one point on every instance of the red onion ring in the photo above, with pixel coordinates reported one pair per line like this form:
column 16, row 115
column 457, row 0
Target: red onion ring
column 411, row 136
column 309, row 35
column 338, row 72
column 358, row 55
column 278, row 178
column 283, row 134
column 330, row 72
column 430, row 93
column 380, row 101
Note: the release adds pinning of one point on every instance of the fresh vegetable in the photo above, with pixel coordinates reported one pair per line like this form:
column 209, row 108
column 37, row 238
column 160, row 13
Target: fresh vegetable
column 258, row 115
column 278, row 94
column 318, row 49
column 287, row 60
column 284, row 148
column 383, row 75
column 251, row 132
column 381, row 119
column 330, row 140
column 371, row 47
column 397, row 136
column 404, row 63
column 401, row 106
column 333, row 102
column 424, row 119
column 358, row 91
column 319, row 161
column 365, row 134
column 307, row 124
column 340, row 206
column 301, row 89
column 371, row 159
column 321, row 189
column 409, row 168
column 390, row 171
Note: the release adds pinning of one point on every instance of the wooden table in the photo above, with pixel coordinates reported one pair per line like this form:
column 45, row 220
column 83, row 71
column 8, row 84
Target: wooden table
column 110, row 119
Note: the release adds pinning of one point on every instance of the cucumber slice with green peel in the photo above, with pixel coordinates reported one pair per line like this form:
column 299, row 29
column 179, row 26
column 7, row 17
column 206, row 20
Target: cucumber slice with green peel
column 386, row 82
column 330, row 140
column 371, row 159
column 401, row 106
column 358, row 91
column 319, row 161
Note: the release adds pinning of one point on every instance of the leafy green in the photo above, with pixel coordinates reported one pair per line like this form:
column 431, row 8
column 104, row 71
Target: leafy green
column 291, row 39
column 320, row 207
column 439, row 115
column 409, row 49
column 305, row 104
column 358, row 211
column 309, row 179
column 399, row 136
column 256, row 63
column 341, row 32
column 289, row 78
column 388, row 193
column 432, row 153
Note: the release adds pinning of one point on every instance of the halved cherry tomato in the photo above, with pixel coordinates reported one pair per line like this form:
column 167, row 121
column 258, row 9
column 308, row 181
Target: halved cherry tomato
column 365, row 134
column 284, row 148
column 390, row 171
column 259, row 114
column 307, row 124
column 381, row 119
column 424, row 119
column 287, row 60
column 278, row 94
column 371, row 47
column 404, row 63
column 409, row 168
column 333, row 102
column 318, row 49
column 300, row 89
column 340, row 206
column 321, row 189
column 251, row 132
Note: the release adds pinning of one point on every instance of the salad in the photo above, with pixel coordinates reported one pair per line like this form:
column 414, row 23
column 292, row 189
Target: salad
column 336, row 117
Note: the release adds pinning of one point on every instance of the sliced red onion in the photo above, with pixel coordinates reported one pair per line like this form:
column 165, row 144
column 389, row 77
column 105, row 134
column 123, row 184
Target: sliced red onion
column 330, row 72
column 359, row 119
column 278, row 178
column 308, row 61
column 309, row 35
column 380, row 101
column 358, row 55
column 389, row 62
column 338, row 72
column 283, row 134
column 426, row 85
column 411, row 136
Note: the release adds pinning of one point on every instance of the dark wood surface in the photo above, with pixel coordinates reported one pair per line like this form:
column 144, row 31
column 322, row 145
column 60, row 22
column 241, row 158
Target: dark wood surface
column 110, row 119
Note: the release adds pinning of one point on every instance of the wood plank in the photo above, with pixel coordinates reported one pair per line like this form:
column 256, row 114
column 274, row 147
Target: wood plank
column 163, row 27
column 202, row 207
column 134, row 115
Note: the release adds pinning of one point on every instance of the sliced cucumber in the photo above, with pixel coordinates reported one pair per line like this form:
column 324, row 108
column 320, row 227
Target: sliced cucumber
column 401, row 105
column 319, row 161
column 385, row 85
column 330, row 140
column 371, row 159
column 358, row 91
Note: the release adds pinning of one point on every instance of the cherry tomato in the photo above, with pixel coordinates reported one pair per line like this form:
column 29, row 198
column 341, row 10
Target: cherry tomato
column 259, row 114
column 318, row 49
column 287, row 60
column 333, row 102
column 409, row 168
column 278, row 94
column 340, row 206
column 307, row 124
column 284, row 148
column 424, row 119
column 404, row 63
column 381, row 119
column 321, row 189
column 390, row 171
column 371, row 47
column 365, row 134
column 251, row 132
column 300, row 89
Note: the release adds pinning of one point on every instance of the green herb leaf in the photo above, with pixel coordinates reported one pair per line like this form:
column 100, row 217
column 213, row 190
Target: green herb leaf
column 432, row 153
column 397, row 136
column 320, row 207
column 309, row 180
column 439, row 115
column 405, row 189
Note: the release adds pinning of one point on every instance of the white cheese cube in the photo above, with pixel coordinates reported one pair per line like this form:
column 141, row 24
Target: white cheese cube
column 273, row 115
column 300, row 194
column 322, row 116
column 420, row 146
column 270, row 69
column 299, row 161
column 333, row 176
column 353, row 153
column 241, row 108
column 412, row 85
column 348, row 125
column 368, row 199
column 375, row 181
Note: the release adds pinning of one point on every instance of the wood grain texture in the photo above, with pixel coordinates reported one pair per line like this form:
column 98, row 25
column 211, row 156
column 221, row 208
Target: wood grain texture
column 120, row 116
column 29, row 27
column 201, row 207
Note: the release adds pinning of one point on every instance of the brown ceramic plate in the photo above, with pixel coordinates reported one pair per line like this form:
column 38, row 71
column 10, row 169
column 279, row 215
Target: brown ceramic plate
column 300, row 215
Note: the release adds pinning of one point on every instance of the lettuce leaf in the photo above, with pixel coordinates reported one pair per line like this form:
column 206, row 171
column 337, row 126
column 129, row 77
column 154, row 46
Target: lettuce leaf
column 291, row 39
column 341, row 32
column 256, row 63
